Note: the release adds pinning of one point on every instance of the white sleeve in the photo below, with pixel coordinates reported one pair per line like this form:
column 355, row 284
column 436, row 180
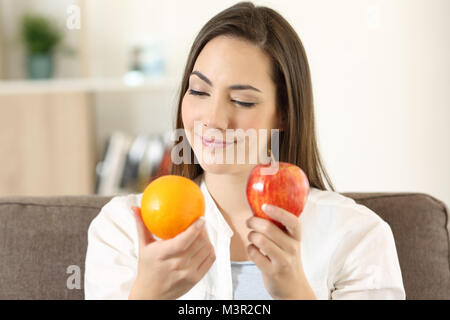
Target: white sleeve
column 111, row 258
column 368, row 267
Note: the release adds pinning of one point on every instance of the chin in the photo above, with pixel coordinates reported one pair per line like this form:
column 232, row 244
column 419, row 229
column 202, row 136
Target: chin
column 219, row 168
column 227, row 169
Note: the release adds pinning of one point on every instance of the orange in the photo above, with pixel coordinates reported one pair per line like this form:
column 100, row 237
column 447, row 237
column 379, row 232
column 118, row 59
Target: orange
column 170, row 204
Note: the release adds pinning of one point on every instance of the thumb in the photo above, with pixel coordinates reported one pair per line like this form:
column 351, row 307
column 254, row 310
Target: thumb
column 144, row 235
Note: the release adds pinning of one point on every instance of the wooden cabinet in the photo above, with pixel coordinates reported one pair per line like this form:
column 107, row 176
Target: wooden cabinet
column 46, row 144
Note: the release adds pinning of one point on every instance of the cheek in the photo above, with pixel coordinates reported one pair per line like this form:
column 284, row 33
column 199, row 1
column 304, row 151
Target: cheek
column 187, row 113
column 256, row 120
column 249, row 123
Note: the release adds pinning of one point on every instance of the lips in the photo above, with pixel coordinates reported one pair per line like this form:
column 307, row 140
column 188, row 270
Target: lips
column 212, row 142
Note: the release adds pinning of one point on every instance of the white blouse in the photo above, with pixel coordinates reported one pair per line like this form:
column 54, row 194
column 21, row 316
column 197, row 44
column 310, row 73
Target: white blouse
column 348, row 251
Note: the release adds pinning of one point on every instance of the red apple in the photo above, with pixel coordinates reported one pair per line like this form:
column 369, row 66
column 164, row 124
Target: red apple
column 287, row 188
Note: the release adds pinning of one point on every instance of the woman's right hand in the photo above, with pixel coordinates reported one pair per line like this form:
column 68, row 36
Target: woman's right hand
column 169, row 268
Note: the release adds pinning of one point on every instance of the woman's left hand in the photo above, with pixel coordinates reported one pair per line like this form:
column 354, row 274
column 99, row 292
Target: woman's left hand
column 277, row 254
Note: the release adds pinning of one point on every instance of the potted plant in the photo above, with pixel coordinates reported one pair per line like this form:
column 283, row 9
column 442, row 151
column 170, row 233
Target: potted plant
column 41, row 37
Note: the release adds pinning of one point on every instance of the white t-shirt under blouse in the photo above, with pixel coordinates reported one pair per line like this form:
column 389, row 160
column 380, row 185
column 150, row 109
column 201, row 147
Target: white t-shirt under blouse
column 348, row 251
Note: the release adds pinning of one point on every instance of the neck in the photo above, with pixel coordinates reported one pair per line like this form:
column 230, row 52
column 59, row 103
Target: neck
column 229, row 193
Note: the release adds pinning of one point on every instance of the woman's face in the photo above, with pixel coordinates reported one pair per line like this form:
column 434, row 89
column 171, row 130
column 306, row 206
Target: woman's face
column 230, row 88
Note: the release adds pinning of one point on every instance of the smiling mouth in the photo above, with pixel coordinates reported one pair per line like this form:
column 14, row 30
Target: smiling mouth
column 212, row 142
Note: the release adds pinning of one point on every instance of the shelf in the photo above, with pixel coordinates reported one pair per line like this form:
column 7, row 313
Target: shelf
column 87, row 85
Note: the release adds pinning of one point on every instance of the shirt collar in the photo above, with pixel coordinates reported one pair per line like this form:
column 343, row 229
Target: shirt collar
column 213, row 215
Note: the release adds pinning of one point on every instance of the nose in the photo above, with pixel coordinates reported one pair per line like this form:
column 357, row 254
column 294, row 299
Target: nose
column 216, row 117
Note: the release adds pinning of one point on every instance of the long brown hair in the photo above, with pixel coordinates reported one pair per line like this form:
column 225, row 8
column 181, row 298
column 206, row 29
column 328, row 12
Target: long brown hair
column 268, row 30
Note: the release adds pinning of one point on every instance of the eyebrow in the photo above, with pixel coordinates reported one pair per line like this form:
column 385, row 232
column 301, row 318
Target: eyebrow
column 233, row 87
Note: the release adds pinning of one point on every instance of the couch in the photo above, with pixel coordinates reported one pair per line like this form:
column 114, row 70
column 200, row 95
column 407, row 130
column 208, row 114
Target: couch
column 43, row 243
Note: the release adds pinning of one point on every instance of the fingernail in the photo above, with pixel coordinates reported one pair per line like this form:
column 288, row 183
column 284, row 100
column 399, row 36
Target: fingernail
column 265, row 207
column 200, row 223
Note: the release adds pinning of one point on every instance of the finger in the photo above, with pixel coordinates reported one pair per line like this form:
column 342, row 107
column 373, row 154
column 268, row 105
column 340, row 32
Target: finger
column 271, row 231
column 290, row 221
column 201, row 255
column 207, row 263
column 178, row 244
column 261, row 261
column 197, row 244
column 145, row 237
column 266, row 246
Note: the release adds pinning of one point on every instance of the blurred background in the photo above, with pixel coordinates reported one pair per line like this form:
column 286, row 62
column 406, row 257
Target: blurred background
column 88, row 91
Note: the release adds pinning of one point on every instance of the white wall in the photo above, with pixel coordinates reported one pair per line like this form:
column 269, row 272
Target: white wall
column 380, row 69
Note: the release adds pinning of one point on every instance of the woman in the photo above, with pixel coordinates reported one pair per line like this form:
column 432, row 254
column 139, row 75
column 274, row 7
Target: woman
column 247, row 69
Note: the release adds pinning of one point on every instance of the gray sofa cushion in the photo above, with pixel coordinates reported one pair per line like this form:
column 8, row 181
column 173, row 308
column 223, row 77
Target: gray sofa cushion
column 421, row 228
column 41, row 237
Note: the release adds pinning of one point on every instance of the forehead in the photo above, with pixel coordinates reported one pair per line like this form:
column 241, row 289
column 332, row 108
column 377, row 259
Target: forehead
column 225, row 60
